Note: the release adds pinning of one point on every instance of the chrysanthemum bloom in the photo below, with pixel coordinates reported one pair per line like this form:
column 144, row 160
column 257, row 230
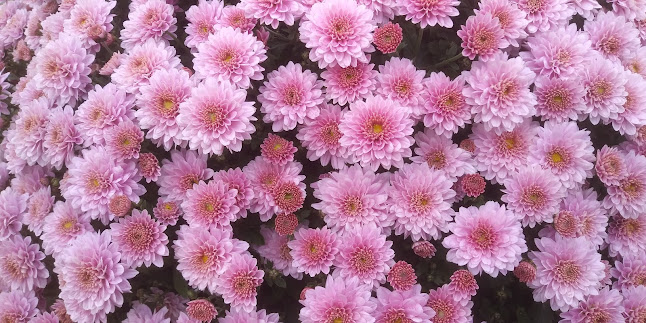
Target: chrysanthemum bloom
column 235, row 179
column 278, row 150
column 377, row 132
column 511, row 19
column 180, row 173
column 89, row 18
column 472, row 184
column 105, row 108
column 349, row 84
column 463, row 285
column 424, row 249
column 239, row 281
column 565, row 150
column 636, row 60
column 604, row 307
column 230, row 55
column 482, row 36
column 286, row 223
column 629, row 197
column 388, row 37
column 288, row 196
column 365, row 254
column 38, row 207
column 343, row 300
column 545, row 15
column 338, row 32
column 400, row 81
column 31, row 179
column 581, row 215
column 560, row 99
column 44, row 318
column 201, row 310
column 533, row 194
column 627, row 237
column 236, row 315
column 272, row 13
column 202, row 255
column 123, row 141
column 167, row 213
column 525, row 271
column 139, row 63
column 12, row 208
column 629, row 272
column 119, row 205
column 61, row 137
column 498, row 91
column 612, row 35
column 277, row 251
column 421, row 201
column 58, row 308
column 235, row 17
column 634, row 112
column 604, row 82
column 488, row 239
column 402, row 276
column 211, row 205
column 429, row 13
column 95, row 177
column 216, row 116
column 202, row 19
column 443, row 105
column 62, row 226
column 353, row 197
column 290, row 96
column 314, row 250
column 14, row 26
column 447, row 308
column 92, row 277
column 402, row 306
column 610, row 166
column 112, row 64
column 149, row 167
column 142, row 313
column 159, row 103
column 140, row 239
column 18, row 306
column 567, row 270
column 28, row 134
column 440, row 153
column 152, row 19
column 634, row 304
column 21, row 264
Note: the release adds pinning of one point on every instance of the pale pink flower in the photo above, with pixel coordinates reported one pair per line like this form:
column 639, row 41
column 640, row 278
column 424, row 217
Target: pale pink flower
column 239, row 282
column 273, row 12
column 349, row 84
column 105, row 108
column 440, row 153
column 211, row 205
column 140, row 62
column 140, row 239
column 482, row 36
column 321, row 136
column 151, row 19
column 400, row 81
column 314, row 250
column 511, row 19
column 612, row 35
column 429, row 13
column 202, row 19
column 444, row 107
column 324, row 304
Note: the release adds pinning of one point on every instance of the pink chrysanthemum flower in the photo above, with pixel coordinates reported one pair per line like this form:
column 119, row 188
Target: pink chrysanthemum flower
column 559, row 52
column 92, row 277
column 288, row 197
column 343, row 300
column 533, row 194
column 167, row 213
column 18, row 306
column 140, row 239
column 629, row 196
column 421, row 201
column 463, row 285
column 636, row 60
column 202, row 19
column 38, row 207
column 321, row 138
column 235, row 17
column 120, row 205
column 230, row 55
column 473, row 185
column 314, row 250
column 105, row 108
column 338, row 32
column 634, row 304
column 140, row 62
column 236, row 179
column 567, row 270
column 28, row 132
column 21, row 264
column 152, row 19
column 290, row 96
column 545, row 14
column 382, row 10
column 61, row 137
column 612, row 35
column 511, row 19
column 429, row 13
column 365, row 254
column 236, row 315
column 565, row 150
column 353, row 197
column 91, row 20
column 448, row 309
column 634, row 112
column 238, row 283
column 44, row 318
column 400, row 81
column 402, row 276
column 349, row 84
column 581, row 215
column 482, row 36
column 377, row 132
column 142, row 313
column 632, row 10
column 202, row 255
column 627, row 237
column 525, row 271
column 604, row 307
column 216, row 116
column 443, row 105
column 278, row 150
column 123, row 141
column 211, row 205
column 277, row 251
column 560, row 99
column 424, row 249
column 402, row 306
column 180, row 173
column 440, row 153
column 201, row 310
column 388, row 37
column 488, row 239
column 286, row 223
column 13, row 27
column 12, row 208
column 62, row 226
column 149, row 167
column 604, row 82
column 498, row 91
column 629, row 272
column 159, row 103
column 610, row 166
column 272, row 13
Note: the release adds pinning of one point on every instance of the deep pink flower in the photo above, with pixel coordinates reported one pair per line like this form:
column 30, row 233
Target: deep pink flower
column 120, row 205
column 463, row 284
column 314, row 250
column 201, row 310
column 473, row 185
column 402, row 276
column 388, row 37
column 149, row 167
column 167, row 213
column 286, row 223
column 424, row 249
column 525, row 271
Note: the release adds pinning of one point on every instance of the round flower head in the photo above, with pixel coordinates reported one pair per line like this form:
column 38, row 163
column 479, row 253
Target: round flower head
column 235, row 17
column 18, row 306
column 627, row 237
column 447, row 308
column 443, row 105
column 288, row 197
column 533, row 194
column 511, row 19
column 499, row 94
column 120, row 205
column 14, row 26
column 38, row 207
column 402, row 306
column 463, row 284
column 634, row 114
column 349, row 84
column 604, row 307
column 338, row 32
column 277, row 150
column 440, row 153
column 482, row 36
column 123, row 141
column 149, row 167
column 581, row 215
column 634, row 304
column 567, row 270
column 152, row 19
column 565, row 150
column 560, row 99
column 140, row 62
column 202, row 255
column 90, row 20
column 473, row 185
column 180, row 173
column 343, row 300
column 272, row 13
column 211, row 205
column 21, row 264
column 421, row 201
column 365, row 254
column 400, row 81
column 388, row 37
column 313, row 250
column 167, row 213
column 424, row 249
column 286, row 223
column 604, row 82
column 140, row 239
column 12, row 208
column 142, row 313
column 610, row 166
column 93, row 280
column 202, row 19
column 105, row 108
column 230, row 55
column 629, row 272
column 429, row 13
column 377, row 132
column 402, row 276
column 61, row 137
column 321, row 136
column 290, row 96
column 612, row 35
column 28, row 135
column 353, row 197
column 636, row 60
column 96, row 177
column 238, row 283
column 277, row 251
column 629, row 197
column 525, row 271
column 240, row 316
column 159, row 103
column 546, row 14
column 488, row 239
column 559, row 52
column 236, row 180
column 62, row 226
column 201, row 310
column 216, row 116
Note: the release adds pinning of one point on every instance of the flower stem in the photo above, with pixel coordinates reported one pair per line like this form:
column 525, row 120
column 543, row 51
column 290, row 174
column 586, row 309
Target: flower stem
column 418, row 46
column 448, row 60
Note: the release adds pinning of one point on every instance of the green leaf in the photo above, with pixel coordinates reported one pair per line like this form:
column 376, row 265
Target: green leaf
column 180, row 285
column 280, row 282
